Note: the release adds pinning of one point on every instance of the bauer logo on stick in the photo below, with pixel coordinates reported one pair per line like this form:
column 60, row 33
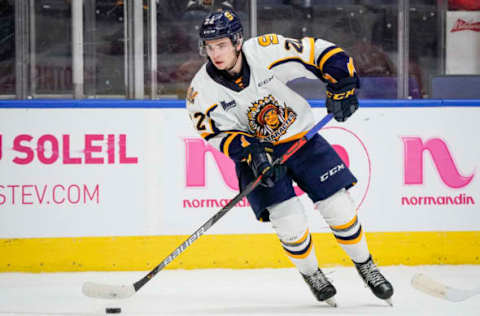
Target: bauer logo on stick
column 113, row 310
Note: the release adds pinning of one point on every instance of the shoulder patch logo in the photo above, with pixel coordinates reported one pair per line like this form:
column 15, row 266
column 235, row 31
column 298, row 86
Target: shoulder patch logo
column 269, row 120
column 228, row 105
column 191, row 94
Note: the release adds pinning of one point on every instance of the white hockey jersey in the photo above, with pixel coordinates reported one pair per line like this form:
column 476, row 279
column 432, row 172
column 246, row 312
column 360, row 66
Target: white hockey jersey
column 261, row 104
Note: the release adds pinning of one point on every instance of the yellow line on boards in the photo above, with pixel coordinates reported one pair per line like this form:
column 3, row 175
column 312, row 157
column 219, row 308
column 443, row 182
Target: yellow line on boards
column 239, row 251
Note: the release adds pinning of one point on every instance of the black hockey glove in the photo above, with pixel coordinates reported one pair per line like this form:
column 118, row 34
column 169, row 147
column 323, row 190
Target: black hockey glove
column 258, row 157
column 342, row 100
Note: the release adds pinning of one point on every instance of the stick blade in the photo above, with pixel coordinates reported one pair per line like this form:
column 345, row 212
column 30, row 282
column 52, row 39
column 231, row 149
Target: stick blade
column 97, row 290
column 427, row 285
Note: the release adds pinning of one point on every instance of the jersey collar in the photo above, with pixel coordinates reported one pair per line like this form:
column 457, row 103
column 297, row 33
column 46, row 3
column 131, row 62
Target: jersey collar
column 222, row 77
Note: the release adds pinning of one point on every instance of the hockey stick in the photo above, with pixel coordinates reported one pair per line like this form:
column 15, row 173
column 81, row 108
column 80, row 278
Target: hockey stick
column 427, row 285
column 98, row 290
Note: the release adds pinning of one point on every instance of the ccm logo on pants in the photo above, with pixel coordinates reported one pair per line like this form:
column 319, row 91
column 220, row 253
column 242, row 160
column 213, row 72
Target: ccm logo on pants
column 331, row 172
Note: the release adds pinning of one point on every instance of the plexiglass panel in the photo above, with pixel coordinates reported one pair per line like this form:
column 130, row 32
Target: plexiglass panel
column 52, row 47
column 104, row 48
column 424, row 46
column 406, row 49
column 7, row 48
column 177, row 40
column 366, row 30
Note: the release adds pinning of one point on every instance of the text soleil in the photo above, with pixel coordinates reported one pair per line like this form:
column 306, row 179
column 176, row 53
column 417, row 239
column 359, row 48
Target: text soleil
column 48, row 149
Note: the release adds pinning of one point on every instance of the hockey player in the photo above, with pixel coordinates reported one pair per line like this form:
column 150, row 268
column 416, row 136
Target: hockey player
column 239, row 102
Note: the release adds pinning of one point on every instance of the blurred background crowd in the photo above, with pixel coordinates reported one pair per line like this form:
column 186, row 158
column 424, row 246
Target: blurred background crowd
column 402, row 48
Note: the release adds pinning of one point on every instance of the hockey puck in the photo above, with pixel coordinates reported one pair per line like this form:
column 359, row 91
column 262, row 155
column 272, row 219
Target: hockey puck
column 113, row 310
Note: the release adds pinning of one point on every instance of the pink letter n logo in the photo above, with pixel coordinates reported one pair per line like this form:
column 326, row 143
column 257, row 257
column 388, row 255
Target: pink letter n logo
column 413, row 162
column 195, row 151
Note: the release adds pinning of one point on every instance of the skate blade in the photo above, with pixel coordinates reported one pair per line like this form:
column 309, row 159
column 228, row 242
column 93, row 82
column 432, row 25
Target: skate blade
column 331, row 301
column 389, row 301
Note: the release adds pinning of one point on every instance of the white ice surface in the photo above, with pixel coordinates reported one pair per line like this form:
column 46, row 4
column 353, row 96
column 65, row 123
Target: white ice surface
column 234, row 292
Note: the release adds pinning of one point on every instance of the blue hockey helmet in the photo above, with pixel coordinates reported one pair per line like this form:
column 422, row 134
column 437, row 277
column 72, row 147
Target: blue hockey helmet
column 219, row 24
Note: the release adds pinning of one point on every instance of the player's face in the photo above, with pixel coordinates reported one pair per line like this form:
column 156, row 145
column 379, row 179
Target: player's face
column 271, row 118
column 221, row 52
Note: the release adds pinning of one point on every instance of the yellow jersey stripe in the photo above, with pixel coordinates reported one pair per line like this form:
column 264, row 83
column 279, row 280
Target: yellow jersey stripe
column 239, row 133
column 205, row 134
column 210, row 108
column 289, row 58
column 229, row 140
column 289, row 139
column 312, row 50
column 327, row 56
column 207, row 114
column 227, row 143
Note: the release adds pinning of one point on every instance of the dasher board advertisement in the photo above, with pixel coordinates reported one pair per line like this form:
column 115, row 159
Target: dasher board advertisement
column 130, row 172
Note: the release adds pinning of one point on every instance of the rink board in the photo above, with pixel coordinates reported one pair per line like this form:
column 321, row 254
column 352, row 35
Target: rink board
column 227, row 251
column 76, row 173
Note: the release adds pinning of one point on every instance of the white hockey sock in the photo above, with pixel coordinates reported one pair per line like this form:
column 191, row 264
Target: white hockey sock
column 339, row 213
column 290, row 223
column 302, row 254
column 353, row 242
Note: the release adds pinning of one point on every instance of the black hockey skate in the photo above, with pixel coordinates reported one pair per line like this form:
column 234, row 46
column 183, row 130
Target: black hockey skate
column 321, row 288
column 375, row 280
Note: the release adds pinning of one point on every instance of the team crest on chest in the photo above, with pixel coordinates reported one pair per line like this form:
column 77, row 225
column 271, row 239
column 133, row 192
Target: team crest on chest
column 269, row 120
